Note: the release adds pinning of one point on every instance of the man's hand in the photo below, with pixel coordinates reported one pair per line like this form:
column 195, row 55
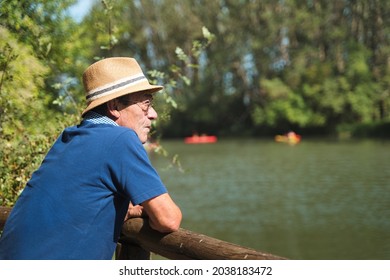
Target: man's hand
column 134, row 211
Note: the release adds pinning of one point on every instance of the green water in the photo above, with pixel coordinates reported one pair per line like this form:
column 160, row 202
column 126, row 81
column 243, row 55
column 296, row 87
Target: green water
column 316, row 200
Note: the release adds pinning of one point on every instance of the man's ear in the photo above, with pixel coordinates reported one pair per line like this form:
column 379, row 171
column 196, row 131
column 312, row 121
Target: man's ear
column 113, row 108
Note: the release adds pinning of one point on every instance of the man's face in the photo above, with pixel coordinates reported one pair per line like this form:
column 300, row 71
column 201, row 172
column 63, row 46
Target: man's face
column 137, row 113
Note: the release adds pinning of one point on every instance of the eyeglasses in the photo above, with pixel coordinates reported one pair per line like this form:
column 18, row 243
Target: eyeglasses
column 145, row 105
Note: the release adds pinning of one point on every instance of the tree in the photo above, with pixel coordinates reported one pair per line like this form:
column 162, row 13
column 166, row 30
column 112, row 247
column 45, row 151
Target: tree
column 36, row 52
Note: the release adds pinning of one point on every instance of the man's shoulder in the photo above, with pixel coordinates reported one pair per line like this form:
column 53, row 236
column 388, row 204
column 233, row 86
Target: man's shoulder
column 100, row 131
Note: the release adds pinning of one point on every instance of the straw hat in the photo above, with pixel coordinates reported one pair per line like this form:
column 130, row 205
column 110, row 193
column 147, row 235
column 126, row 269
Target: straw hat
column 113, row 77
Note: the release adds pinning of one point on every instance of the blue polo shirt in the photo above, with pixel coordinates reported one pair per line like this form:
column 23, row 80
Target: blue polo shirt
column 74, row 205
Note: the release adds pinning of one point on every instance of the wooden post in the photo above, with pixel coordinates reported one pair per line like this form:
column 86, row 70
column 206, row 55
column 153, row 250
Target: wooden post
column 130, row 251
column 4, row 213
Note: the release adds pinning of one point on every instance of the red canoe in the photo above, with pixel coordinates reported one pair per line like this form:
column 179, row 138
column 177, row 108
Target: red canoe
column 200, row 139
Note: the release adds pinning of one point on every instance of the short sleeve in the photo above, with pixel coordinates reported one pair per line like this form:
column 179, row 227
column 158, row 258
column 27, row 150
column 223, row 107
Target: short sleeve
column 131, row 171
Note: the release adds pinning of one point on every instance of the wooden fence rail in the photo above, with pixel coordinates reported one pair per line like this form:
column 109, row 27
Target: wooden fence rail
column 138, row 240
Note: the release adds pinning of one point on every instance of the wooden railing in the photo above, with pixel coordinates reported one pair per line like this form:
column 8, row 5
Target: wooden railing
column 138, row 240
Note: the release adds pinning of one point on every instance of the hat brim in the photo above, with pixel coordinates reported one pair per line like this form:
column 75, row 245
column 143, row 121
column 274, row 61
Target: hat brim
column 147, row 88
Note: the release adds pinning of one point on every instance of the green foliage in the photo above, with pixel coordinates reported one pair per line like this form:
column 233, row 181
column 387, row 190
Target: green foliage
column 33, row 53
column 18, row 160
column 22, row 78
column 282, row 105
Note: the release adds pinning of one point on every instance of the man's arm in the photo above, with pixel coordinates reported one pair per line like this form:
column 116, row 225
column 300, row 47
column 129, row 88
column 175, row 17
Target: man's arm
column 164, row 214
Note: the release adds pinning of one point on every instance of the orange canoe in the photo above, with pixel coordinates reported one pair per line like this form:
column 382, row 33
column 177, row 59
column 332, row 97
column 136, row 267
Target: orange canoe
column 290, row 138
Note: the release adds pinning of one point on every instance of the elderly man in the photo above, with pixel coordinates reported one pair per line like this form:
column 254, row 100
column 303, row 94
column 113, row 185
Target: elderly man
column 74, row 205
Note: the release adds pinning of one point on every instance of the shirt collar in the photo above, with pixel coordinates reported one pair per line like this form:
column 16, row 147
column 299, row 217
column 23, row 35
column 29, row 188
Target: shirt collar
column 96, row 118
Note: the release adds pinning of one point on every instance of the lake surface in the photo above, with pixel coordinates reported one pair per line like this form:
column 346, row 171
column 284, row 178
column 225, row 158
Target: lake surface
column 315, row 200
